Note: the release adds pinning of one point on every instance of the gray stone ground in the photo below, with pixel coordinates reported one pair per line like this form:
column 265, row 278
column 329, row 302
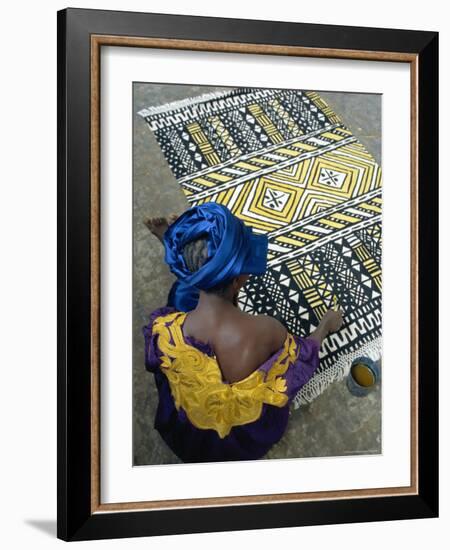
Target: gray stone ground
column 336, row 423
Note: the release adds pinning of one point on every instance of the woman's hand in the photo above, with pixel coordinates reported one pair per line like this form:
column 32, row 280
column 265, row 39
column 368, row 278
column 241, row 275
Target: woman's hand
column 333, row 320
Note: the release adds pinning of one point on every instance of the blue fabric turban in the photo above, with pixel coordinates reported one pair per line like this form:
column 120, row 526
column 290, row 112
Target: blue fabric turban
column 233, row 248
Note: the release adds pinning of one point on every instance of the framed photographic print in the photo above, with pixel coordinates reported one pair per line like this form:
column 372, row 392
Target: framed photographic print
column 247, row 257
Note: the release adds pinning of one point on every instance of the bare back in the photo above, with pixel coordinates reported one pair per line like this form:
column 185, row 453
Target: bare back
column 241, row 342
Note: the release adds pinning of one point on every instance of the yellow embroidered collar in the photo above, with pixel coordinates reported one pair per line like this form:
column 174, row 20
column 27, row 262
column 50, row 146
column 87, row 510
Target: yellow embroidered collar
column 197, row 386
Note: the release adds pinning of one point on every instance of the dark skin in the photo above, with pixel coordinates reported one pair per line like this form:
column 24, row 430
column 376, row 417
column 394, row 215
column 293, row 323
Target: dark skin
column 241, row 341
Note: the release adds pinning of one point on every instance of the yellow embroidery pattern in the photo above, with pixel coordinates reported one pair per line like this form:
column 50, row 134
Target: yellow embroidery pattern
column 196, row 383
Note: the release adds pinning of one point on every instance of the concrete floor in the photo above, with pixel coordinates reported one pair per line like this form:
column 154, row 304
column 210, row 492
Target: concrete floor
column 336, row 423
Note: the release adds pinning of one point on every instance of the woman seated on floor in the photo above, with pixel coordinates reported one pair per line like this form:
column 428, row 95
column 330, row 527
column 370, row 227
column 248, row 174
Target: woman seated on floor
column 225, row 378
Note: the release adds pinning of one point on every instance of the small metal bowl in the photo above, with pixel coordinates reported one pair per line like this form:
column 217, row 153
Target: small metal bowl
column 363, row 376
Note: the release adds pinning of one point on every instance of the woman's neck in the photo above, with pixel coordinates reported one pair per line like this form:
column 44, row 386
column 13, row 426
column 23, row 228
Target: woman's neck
column 214, row 302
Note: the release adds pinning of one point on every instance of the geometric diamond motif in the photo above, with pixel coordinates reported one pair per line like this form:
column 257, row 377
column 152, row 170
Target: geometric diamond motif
column 333, row 178
column 275, row 199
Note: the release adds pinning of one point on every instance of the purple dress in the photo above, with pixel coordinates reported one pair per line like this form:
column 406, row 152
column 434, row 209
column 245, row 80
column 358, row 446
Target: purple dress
column 195, row 438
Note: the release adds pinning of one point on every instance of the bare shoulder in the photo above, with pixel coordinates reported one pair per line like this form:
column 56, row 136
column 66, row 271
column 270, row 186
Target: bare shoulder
column 271, row 330
column 245, row 342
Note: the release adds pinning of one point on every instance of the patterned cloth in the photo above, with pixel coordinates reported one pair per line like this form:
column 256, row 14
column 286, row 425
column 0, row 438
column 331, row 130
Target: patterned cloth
column 203, row 418
column 284, row 162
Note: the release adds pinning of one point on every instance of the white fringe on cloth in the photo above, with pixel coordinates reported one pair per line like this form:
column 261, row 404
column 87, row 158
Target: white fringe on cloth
column 320, row 382
column 173, row 105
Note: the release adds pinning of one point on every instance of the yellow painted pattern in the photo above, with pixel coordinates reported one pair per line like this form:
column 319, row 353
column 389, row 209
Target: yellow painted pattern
column 324, row 162
column 292, row 126
column 324, row 107
column 304, row 146
column 225, row 136
column 308, row 285
column 204, row 145
column 359, row 150
column 222, row 178
column 346, row 217
column 331, row 223
column 205, row 182
column 288, row 152
column 225, row 196
column 293, row 174
column 259, row 208
column 332, row 136
column 247, row 166
column 266, row 123
column 303, row 235
column 367, row 169
column 288, row 240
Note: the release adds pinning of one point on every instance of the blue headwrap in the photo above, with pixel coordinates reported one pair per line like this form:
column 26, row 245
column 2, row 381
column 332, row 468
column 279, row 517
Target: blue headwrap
column 233, row 248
